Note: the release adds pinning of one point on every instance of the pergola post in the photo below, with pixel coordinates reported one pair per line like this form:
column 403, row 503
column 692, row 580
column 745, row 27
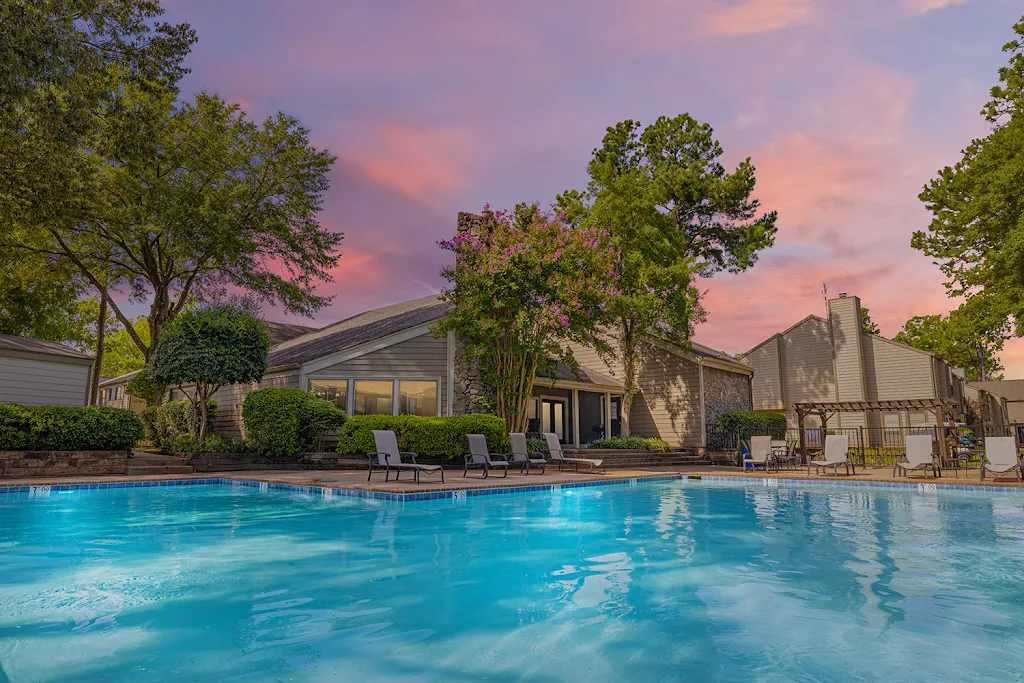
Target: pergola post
column 803, row 437
column 941, row 429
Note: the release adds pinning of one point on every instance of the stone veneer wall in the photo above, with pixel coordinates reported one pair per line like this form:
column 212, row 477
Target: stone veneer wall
column 470, row 390
column 724, row 391
column 15, row 464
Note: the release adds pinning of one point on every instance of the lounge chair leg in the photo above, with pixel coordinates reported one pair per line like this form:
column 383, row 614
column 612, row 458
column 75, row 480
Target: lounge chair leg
column 442, row 475
column 370, row 473
column 465, row 471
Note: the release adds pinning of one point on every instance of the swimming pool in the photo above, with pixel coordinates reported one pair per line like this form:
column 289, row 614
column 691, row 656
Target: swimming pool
column 656, row 582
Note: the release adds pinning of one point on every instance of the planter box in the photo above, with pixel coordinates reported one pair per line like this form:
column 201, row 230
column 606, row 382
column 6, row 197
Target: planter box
column 16, row 464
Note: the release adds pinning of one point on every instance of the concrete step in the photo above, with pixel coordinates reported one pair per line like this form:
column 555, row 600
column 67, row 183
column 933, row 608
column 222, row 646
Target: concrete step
column 159, row 469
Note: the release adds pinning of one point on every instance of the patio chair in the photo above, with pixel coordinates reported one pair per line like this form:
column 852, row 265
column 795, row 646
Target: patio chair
column 783, row 453
column 557, row 454
column 1001, row 456
column 919, row 456
column 836, row 453
column 760, row 453
column 389, row 458
column 521, row 455
column 480, row 456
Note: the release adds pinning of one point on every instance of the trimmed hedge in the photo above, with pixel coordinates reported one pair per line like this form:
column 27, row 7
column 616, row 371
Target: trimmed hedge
column 174, row 419
column 751, row 423
column 633, row 443
column 67, row 428
column 442, row 438
column 286, row 421
column 189, row 445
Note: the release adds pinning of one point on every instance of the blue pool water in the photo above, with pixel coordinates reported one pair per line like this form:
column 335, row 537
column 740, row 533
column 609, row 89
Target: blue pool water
column 661, row 582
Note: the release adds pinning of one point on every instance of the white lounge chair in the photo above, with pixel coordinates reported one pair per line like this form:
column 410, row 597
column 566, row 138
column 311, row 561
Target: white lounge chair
column 1001, row 456
column 919, row 456
column 389, row 458
column 480, row 456
column 760, row 452
column 557, row 454
column 836, row 453
column 521, row 454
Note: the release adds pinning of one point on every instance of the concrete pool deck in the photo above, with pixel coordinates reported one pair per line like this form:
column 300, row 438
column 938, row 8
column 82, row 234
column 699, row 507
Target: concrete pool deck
column 454, row 481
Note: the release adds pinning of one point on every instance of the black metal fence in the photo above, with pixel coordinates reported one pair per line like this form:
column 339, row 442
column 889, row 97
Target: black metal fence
column 878, row 446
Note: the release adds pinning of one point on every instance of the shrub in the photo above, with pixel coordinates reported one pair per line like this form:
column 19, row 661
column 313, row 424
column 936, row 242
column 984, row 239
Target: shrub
column 176, row 418
column 633, row 443
column 189, row 445
column 751, row 423
column 536, row 446
column 67, row 428
column 145, row 386
column 287, row 421
column 431, row 437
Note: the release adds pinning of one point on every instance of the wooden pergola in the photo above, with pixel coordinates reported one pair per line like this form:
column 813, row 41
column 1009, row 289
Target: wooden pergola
column 941, row 407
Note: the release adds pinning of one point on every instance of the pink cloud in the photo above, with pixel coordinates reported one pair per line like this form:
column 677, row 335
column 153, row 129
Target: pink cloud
column 922, row 6
column 758, row 16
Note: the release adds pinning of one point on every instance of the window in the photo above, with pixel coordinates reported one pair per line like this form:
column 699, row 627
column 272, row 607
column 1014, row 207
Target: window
column 417, row 397
column 334, row 391
column 373, row 397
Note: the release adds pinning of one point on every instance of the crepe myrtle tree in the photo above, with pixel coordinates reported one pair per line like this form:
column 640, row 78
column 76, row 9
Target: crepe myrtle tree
column 523, row 286
column 208, row 347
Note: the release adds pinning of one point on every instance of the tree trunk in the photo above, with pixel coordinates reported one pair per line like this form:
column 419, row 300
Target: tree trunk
column 97, row 367
column 629, row 369
column 203, row 404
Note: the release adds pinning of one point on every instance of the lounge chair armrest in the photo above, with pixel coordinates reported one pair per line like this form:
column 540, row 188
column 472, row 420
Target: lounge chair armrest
column 503, row 456
column 569, row 451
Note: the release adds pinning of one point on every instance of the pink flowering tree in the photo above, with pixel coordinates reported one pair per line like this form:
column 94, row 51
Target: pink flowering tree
column 524, row 285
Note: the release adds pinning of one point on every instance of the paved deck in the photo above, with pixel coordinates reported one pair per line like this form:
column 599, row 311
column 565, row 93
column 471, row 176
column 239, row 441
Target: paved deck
column 356, row 479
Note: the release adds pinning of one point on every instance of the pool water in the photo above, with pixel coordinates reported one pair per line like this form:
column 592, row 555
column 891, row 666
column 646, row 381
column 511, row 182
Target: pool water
column 660, row 582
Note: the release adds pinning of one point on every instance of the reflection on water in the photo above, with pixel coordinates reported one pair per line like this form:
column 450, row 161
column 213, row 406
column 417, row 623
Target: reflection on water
column 659, row 582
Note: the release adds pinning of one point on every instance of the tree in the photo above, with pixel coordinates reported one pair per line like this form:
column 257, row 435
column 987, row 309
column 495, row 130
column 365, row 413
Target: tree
column 40, row 300
column 867, row 324
column 146, row 386
column 202, row 202
column 121, row 354
column 967, row 338
column 524, row 284
column 673, row 215
column 208, row 347
column 976, row 234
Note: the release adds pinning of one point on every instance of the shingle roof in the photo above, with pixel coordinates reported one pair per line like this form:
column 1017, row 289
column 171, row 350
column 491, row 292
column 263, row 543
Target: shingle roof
column 120, row 379
column 1010, row 389
column 358, row 329
column 708, row 352
column 282, row 332
column 10, row 342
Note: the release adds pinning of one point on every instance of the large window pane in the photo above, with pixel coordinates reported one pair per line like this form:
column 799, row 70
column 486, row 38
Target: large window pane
column 336, row 392
column 417, row 397
column 373, row 397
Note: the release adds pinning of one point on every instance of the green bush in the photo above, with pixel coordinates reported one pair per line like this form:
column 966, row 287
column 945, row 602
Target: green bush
column 536, row 446
column 751, row 423
column 189, row 445
column 67, row 428
column 633, row 443
column 442, row 438
column 288, row 421
column 176, row 418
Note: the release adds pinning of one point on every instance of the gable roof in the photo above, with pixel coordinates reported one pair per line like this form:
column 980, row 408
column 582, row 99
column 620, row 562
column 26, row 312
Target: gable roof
column 361, row 328
column 708, row 352
column 563, row 373
column 282, row 332
column 1010, row 389
column 10, row 342
column 784, row 333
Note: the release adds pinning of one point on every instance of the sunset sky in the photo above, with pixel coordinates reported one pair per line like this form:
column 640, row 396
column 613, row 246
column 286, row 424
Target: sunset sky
column 846, row 108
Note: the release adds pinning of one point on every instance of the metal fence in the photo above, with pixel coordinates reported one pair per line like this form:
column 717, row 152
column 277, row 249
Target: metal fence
column 879, row 446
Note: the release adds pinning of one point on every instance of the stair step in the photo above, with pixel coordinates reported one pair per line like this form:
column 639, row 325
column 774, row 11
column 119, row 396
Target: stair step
column 157, row 461
column 159, row 469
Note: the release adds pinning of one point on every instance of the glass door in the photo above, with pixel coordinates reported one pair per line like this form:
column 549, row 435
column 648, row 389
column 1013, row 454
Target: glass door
column 553, row 416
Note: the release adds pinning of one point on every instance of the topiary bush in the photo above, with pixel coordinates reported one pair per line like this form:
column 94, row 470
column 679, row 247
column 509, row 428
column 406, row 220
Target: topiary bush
column 281, row 421
column 633, row 443
column 751, row 423
column 441, row 438
column 68, row 428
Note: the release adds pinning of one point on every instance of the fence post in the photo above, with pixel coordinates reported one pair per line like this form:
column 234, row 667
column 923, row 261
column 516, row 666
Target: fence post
column 863, row 451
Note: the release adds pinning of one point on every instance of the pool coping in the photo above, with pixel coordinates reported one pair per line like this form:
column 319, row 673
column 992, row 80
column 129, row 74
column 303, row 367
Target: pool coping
column 733, row 480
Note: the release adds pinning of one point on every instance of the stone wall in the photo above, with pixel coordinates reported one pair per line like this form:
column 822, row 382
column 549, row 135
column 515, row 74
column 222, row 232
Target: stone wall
column 724, row 391
column 18, row 464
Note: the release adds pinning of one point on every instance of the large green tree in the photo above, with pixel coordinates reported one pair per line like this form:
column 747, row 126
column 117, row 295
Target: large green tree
column 208, row 347
column 674, row 215
column 43, row 301
column 976, row 234
column 970, row 337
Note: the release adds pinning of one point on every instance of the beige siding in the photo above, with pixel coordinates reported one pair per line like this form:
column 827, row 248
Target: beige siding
column 895, row 372
column 806, row 358
column 587, row 357
column 33, row 382
column 766, row 384
column 1015, row 409
column 420, row 357
column 846, row 338
column 230, row 399
column 668, row 405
